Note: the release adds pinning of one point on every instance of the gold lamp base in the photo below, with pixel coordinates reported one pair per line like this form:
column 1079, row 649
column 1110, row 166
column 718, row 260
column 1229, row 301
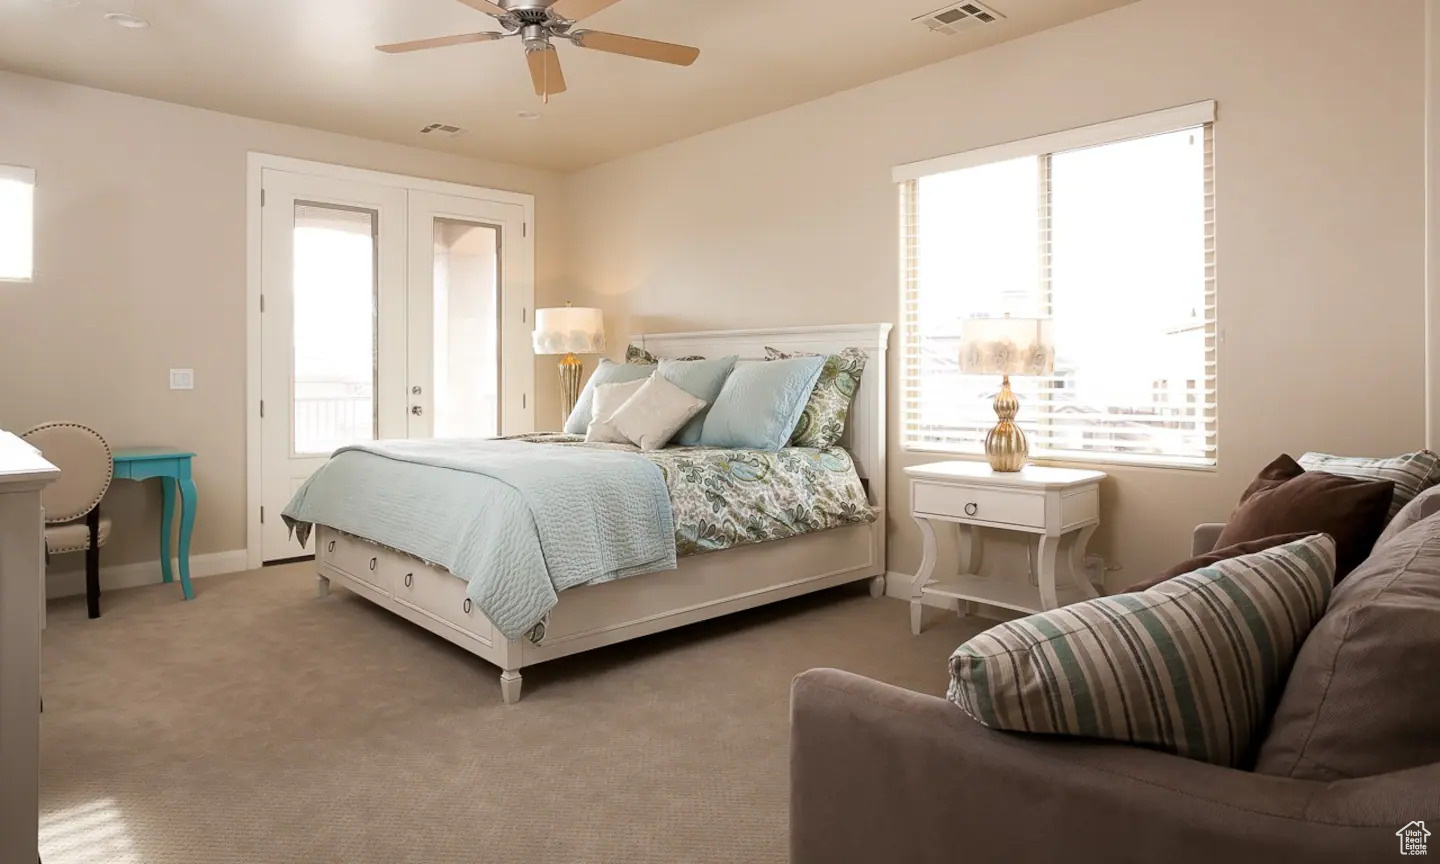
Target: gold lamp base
column 1005, row 445
column 570, row 368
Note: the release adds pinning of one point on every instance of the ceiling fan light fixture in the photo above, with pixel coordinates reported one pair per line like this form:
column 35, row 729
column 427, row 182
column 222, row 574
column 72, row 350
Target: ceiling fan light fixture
column 537, row 22
column 127, row 20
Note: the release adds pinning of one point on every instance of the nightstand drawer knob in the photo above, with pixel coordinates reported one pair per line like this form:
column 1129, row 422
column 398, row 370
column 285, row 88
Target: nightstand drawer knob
column 971, row 509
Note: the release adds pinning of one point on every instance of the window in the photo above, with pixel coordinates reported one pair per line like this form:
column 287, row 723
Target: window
column 1108, row 231
column 17, row 223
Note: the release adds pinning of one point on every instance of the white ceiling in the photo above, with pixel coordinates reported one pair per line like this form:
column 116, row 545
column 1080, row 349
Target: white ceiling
column 312, row 63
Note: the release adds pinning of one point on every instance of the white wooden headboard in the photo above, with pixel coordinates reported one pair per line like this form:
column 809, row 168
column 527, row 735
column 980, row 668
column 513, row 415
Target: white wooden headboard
column 865, row 433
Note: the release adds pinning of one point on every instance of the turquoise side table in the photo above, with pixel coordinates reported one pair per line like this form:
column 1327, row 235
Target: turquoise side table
column 172, row 466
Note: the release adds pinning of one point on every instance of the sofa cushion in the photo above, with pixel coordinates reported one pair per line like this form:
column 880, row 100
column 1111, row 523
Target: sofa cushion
column 1411, row 473
column 1351, row 510
column 1192, row 666
column 1421, row 507
column 1361, row 696
column 1215, row 556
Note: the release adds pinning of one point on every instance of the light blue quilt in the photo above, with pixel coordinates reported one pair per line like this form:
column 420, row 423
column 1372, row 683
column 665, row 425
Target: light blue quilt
column 518, row 522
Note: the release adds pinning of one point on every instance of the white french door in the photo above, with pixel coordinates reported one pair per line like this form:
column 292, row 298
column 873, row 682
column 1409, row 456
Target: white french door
column 462, row 341
column 386, row 312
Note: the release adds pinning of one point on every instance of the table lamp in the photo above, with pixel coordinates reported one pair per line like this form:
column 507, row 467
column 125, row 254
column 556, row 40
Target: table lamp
column 1006, row 346
column 569, row 330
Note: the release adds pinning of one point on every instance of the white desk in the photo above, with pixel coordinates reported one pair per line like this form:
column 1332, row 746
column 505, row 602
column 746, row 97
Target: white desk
column 1048, row 502
column 23, row 473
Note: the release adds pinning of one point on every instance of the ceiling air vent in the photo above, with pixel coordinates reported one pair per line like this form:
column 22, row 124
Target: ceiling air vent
column 444, row 130
column 960, row 17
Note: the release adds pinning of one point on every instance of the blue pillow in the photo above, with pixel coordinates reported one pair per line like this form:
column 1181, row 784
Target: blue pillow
column 761, row 404
column 701, row 379
column 608, row 372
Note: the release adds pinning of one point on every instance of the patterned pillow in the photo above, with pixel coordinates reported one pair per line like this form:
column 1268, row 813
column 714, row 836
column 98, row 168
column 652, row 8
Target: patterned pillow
column 1412, row 473
column 1193, row 666
column 823, row 421
column 637, row 356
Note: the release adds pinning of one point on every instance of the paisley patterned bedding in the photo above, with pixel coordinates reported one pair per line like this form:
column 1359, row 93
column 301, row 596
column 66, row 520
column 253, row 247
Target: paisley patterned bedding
column 723, row 498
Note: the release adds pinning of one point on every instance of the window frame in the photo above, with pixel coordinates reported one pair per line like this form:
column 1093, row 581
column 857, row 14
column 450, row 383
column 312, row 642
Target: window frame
column 1043, row 147
column 24, row 175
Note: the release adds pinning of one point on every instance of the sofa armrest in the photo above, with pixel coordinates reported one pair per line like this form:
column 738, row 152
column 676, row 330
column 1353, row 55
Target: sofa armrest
column 1205, row 538
column 878, row 773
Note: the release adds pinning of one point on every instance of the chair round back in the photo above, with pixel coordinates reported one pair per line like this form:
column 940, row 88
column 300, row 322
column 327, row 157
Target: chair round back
column 86, row 467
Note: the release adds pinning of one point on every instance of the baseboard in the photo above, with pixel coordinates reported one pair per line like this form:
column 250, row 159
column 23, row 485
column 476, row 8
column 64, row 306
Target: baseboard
column 70, row 581
column 897, row 585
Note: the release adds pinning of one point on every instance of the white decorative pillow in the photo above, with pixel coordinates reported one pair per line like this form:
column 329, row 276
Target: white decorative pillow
column 657, row 411
column 608, row 399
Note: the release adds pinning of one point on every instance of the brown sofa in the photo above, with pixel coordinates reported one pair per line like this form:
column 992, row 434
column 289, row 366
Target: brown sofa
column 881, row 774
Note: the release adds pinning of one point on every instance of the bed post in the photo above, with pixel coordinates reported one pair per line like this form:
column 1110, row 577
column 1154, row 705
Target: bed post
column 510, row 686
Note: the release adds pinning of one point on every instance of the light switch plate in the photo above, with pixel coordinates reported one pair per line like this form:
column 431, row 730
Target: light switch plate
column 182, row 379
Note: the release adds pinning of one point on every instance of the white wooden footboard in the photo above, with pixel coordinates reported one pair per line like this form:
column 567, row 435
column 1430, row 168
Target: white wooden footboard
column 592, row 616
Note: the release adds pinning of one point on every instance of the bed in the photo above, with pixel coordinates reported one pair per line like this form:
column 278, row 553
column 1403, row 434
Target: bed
column 723, row 559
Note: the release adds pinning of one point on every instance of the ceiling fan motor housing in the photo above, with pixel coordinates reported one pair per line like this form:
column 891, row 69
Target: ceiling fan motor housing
column 528, row 13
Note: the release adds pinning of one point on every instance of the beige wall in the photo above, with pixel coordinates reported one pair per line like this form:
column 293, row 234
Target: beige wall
column 791, row 219
column 141, row 267
column 786, row 219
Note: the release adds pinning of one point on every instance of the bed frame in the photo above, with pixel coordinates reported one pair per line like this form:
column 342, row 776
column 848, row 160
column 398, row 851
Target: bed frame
column 704, row 586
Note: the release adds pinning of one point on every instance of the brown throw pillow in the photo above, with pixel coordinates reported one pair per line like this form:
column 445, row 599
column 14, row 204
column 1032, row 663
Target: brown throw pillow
column 1350, row 510
column 1215, row 556
column 1272, row 475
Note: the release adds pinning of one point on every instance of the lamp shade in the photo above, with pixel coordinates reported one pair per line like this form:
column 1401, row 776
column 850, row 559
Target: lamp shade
column 569, row 330
column 1006, row 346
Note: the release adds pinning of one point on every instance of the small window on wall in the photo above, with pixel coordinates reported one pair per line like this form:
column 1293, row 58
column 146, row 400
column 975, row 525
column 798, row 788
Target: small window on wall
column 17, row 223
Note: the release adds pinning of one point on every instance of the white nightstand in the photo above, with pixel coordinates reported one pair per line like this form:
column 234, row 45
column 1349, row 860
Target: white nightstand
column 1048, row 502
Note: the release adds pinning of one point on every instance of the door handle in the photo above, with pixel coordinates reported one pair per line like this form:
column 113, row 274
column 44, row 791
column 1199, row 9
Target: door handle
column 417, row 390
column 416, row 410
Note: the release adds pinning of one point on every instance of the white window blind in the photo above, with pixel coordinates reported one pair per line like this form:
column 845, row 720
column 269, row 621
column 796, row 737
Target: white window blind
column 17, row 223
column 1113, row 239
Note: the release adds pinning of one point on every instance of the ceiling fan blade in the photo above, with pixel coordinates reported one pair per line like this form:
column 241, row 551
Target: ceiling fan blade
column 545, row 71
column 634, row 46
column 438, row 42
column 487, row 7
column 574, row 10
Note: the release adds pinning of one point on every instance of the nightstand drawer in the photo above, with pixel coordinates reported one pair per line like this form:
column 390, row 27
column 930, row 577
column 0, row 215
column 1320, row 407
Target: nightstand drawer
column 981, row 505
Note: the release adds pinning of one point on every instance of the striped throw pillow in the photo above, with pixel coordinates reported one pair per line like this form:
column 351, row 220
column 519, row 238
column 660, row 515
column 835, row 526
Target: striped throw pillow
column 1412, row 473
column 1193, row 666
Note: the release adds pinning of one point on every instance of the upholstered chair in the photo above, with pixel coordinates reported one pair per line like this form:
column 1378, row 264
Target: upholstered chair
column 72, row 504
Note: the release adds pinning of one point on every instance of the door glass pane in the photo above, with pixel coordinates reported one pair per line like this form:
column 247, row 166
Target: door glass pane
column 467, row 372
column 335, row 290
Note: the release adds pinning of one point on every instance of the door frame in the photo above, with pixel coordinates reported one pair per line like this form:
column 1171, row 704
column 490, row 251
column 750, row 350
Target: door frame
column 523, row 272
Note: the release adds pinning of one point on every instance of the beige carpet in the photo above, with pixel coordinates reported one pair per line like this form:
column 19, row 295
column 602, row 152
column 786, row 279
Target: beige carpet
column 257, row 724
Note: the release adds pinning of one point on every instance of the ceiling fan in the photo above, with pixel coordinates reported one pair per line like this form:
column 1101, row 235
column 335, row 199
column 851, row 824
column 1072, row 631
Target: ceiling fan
column 537, row 22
